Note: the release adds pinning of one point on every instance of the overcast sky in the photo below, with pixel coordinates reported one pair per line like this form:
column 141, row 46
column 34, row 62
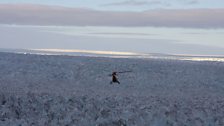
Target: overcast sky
column 126, row 5
column 164, row 26
column 31, row 14
column 165, row 13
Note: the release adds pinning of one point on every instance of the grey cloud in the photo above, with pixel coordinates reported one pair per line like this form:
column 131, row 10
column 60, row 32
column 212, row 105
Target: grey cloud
column 136, row 3
column 128, row 2
column 190, row 2
column 52, row 15
column 151, row 3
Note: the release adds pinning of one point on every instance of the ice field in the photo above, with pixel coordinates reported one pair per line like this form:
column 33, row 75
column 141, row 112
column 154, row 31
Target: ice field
column 63, row 90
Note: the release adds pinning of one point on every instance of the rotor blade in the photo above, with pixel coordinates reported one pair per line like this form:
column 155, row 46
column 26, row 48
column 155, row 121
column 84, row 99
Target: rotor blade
column 124, row 71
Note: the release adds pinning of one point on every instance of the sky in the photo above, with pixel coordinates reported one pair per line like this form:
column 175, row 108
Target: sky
column 131, row 13
column 149, row 26
column 126, row 5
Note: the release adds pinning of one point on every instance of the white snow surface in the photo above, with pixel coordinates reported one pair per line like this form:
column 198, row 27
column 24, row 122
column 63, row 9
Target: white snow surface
column 47, row 90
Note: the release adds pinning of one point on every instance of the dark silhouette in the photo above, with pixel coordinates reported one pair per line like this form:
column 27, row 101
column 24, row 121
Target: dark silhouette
column 114, row 78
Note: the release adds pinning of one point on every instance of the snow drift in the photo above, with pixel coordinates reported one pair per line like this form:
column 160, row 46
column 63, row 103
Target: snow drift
column 73, row 90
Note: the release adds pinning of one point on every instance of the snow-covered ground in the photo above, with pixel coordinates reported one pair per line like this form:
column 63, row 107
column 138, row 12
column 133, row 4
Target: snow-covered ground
column 50, row 90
